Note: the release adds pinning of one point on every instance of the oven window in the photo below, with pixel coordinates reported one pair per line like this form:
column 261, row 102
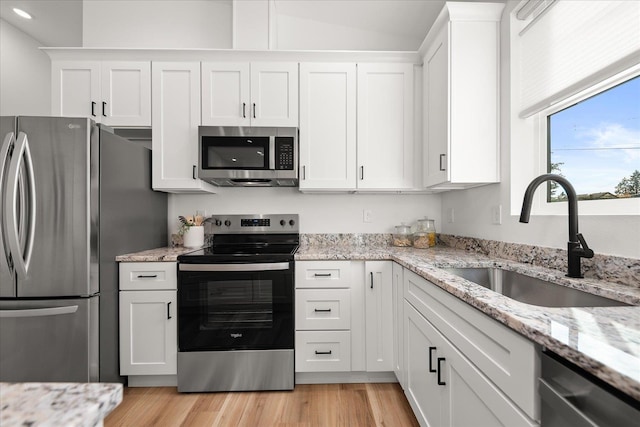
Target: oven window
column 242, row 304
column 235, row 310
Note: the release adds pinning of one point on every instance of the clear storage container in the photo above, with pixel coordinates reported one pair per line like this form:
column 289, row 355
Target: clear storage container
column 425, row 234
column 402, row 236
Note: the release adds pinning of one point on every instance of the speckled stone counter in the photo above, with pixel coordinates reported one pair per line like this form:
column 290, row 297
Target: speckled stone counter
column 602, row 340
column 57, row 404
column 156, row 255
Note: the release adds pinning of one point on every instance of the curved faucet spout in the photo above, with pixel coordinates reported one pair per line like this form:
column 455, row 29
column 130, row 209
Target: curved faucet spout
column 577, row 247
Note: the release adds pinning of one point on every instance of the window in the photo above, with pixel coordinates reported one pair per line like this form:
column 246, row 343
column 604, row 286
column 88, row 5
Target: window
column 595, row 144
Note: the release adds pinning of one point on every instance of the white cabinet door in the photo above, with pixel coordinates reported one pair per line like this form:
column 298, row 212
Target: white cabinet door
column 385, row 126
column 175, row 120
column 379, row 316
column 113, row 93
column 436, row 107
column 250, row 94
column 126, row 93
column 75, row 89
column 461, row 97
column 397, row 283
column 274, row 94
column 148, row 333
column 327, row 126
column 225, row 94
column 425, row 396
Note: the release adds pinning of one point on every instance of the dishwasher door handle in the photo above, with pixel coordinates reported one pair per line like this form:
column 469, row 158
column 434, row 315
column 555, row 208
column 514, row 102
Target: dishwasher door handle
column 563, row 407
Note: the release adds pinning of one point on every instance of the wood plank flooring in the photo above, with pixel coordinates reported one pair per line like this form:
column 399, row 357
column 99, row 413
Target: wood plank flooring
column 307, row 406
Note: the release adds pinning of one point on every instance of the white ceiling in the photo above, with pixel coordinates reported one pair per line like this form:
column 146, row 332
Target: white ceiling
column 59, row 22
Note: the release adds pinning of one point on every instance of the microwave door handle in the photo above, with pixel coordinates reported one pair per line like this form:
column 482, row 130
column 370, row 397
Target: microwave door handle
column 272, row 152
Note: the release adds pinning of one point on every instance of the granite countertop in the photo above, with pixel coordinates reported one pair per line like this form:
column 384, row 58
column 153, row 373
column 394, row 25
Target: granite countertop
column 604, row 341
column 57, row 404
column 156, row 255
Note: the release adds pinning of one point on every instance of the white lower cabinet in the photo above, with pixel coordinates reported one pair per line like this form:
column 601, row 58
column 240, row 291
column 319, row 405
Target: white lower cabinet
column 379, row 316
column 463, row 368
column 344, row 319
column 398, row 319
column 148, row 320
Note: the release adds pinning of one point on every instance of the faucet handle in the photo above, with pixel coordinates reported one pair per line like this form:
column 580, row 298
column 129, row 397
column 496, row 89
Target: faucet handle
column 585, row 251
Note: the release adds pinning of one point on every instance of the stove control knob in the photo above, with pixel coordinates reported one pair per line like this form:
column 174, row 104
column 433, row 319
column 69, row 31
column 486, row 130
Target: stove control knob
column 227, row 223
column 283, row 222
column 218, row 223
column 292, row 222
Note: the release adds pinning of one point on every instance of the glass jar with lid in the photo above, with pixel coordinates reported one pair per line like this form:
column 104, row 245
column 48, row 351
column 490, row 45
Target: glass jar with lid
column 402, row 236
column 425, row 234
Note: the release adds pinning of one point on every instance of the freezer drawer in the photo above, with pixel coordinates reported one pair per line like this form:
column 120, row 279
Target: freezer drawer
column 49, row 340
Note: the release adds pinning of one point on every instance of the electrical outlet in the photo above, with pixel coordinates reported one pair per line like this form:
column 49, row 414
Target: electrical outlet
column 367, row 216
column 496, row 214
column 451, row 216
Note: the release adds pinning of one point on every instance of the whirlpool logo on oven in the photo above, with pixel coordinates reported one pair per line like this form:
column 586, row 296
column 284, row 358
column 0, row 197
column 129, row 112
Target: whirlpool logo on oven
column 236, row 335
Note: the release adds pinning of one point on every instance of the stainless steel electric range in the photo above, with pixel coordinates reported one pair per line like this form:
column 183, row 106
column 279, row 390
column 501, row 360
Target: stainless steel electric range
column 235, row 306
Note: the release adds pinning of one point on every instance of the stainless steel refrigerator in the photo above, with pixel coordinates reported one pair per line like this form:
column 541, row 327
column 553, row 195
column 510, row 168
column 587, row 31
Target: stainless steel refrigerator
column 73, row 195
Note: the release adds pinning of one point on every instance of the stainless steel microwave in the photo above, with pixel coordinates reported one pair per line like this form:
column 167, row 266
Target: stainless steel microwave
column 248, row 156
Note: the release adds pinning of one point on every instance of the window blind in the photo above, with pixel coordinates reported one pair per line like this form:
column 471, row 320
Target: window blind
column 573, row 46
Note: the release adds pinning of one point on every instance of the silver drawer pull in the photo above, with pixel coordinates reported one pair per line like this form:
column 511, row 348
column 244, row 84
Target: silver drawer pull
column 322, row 310
column 322, row 275
column 323, row 352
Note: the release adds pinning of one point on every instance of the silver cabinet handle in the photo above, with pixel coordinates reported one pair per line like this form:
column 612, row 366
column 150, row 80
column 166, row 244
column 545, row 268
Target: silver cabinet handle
column 39, row 312
column 430, row 359
column 361, row 173
column 235, row 267
column 442, row 168
column 20, row 152
column 564, row 407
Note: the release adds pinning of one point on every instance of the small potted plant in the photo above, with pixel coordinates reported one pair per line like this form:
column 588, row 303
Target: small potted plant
column 192, row 231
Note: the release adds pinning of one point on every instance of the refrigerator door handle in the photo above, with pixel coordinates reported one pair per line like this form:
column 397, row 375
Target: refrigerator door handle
column 21, row 259
column 4, row 156
column 39, row 312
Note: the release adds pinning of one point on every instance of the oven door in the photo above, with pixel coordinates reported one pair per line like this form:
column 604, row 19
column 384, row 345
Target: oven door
column 235, row 306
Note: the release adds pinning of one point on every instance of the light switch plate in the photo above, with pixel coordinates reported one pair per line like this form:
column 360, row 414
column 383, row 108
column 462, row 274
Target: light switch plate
column 367, row 216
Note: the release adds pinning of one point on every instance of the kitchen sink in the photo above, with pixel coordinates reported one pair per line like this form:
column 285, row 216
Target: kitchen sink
column 531, row 290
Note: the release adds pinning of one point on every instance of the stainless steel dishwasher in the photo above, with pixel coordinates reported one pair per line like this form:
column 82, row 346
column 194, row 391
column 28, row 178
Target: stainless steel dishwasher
column 571, row 397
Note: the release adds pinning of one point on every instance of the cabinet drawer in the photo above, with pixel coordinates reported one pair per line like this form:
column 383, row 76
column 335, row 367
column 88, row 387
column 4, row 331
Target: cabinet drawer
column 508, row 359
column 323, row 309
column 136, row 276
column 323, row 274
column 323, row 351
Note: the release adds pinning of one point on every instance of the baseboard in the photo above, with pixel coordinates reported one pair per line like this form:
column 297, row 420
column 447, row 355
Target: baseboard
column 345, row 377
column 152, row 381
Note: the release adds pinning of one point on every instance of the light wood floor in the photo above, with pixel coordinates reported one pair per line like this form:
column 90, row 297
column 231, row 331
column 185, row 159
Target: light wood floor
column 308, row 405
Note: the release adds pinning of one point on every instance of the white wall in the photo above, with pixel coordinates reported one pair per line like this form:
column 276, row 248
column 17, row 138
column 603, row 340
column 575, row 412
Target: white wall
column 611, row 235
column 157, row 24
column 319, row 213
column 295, row 33
column 25, row 74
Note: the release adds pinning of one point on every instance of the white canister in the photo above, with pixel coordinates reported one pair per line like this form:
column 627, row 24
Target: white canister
column 193, row 237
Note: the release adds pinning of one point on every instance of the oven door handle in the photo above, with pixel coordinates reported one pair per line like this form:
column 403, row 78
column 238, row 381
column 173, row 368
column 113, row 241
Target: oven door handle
column 235, row 267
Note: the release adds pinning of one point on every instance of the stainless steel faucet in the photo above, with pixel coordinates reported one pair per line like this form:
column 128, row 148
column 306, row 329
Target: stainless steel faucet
column 576, row 247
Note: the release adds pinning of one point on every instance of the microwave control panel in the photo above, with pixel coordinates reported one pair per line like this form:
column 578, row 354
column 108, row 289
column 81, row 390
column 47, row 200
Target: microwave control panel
column 284, row 153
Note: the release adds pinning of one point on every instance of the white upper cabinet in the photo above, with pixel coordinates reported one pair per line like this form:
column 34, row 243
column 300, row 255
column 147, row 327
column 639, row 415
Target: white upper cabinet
column 327, row 126
column 461, row 97
column 113, row 93
column 176, row 116
column 385, row 126
column 356, row 127
column 250, row 94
